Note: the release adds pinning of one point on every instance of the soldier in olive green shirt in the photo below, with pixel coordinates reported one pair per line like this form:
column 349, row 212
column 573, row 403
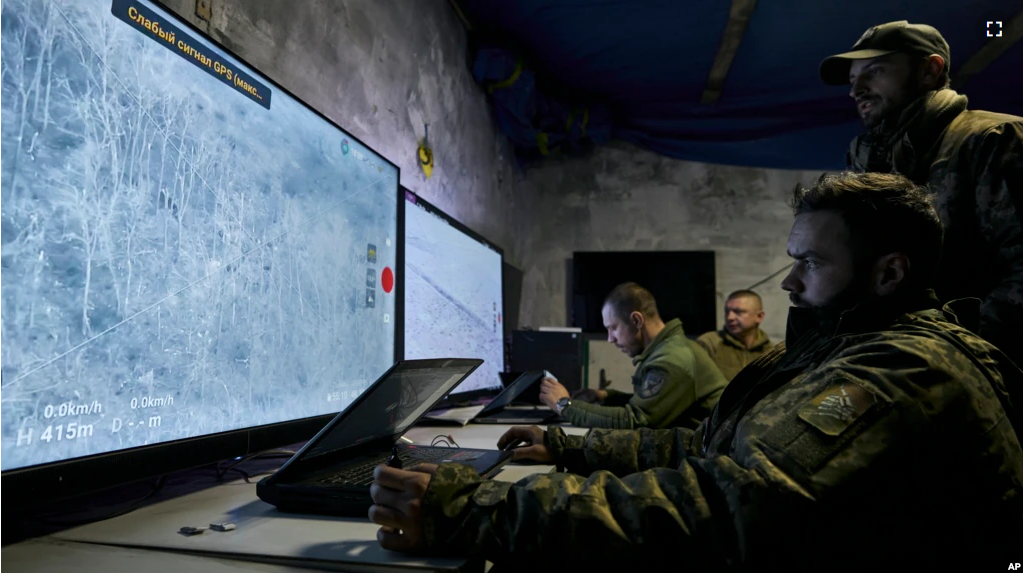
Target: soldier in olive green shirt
column 741, row 341
column 676, row 383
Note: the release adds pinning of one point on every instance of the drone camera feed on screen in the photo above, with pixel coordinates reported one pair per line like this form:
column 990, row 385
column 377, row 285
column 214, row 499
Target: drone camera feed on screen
column 187, row 249
column 453, row 294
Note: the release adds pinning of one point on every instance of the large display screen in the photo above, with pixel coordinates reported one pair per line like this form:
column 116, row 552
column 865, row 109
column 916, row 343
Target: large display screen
column 186, row 249
column 453, row 301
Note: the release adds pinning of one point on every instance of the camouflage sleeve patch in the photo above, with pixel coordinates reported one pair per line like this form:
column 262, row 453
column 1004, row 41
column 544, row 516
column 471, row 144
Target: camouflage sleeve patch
column 653, row 383
column 838, row 407
column 837, row 413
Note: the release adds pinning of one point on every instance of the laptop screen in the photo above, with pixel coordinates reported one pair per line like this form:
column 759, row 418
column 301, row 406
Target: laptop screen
column 514, row 390
column 393, row 403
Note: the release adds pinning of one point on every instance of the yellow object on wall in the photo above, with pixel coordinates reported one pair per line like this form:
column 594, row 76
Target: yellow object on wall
column 426, row 159
column 425, row 154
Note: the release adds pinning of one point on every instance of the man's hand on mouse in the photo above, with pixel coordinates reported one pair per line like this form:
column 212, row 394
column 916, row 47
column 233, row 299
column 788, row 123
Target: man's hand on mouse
column 398, row 505
column 551, row 391
column 532, row 447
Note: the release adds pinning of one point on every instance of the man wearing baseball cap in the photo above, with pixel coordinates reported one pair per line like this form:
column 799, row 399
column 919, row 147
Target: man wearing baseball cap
column 972, row 161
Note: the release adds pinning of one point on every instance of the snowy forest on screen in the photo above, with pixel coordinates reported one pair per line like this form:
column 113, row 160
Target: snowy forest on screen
column 169, row 244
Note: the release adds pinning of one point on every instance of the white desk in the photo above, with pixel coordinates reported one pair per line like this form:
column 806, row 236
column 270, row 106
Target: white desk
column 52, row 555
column 264, row 536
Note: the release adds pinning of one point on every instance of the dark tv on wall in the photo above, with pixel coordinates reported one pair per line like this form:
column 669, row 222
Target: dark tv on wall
column 682, row 282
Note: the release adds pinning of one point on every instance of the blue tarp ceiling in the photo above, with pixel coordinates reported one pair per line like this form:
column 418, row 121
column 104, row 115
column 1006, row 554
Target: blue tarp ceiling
column 649, row 60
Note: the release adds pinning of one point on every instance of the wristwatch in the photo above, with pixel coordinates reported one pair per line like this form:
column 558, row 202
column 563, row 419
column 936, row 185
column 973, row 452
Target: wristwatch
column 562, row 404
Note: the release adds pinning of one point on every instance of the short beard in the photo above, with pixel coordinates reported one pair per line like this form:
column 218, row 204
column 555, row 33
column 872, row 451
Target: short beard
column 636, row 347
column 853, row 294
column 915, row 88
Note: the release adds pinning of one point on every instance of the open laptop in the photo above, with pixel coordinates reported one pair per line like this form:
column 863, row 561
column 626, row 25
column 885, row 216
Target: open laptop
column 525, row 388
column 332, row 473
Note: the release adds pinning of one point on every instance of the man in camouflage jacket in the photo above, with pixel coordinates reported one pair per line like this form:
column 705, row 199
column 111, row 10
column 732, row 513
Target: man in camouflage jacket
column 881, row 431
column 972, row 161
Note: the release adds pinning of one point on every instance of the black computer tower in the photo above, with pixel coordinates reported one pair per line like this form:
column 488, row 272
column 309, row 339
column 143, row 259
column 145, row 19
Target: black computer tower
column 562, row 353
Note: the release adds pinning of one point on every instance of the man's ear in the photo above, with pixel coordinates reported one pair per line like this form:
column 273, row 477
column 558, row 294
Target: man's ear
column 890, row 272
column 933, row 67
column 637, row 319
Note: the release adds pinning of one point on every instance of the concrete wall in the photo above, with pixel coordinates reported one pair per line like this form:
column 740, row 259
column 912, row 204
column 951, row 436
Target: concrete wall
column 624, row 198
column 617, row 366
column 382, row 70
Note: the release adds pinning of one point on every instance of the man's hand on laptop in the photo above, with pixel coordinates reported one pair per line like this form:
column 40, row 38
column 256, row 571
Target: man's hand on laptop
column 532, row 445
column 398, row 505
column 551, row 391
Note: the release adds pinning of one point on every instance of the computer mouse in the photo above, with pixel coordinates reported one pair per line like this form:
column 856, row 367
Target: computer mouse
column 394, row 461
column 512, row 445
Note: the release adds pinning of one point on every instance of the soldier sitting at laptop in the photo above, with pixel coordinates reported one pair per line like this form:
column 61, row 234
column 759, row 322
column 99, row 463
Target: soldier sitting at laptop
column 676, row 383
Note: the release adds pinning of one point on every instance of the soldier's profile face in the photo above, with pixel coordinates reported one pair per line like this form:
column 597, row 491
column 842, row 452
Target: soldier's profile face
column 622, row 333
column 824, row 265
column 882, row 86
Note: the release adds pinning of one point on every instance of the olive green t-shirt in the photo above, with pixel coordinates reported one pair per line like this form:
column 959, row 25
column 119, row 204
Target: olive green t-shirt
column 730, row 354
column 676, row 384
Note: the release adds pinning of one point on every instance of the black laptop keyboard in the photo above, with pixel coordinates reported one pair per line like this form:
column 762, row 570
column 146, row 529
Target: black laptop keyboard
column 363, row 474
